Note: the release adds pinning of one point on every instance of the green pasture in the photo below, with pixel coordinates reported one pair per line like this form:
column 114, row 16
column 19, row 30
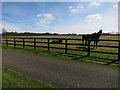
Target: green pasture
column 73, row 55
column 104, row 49
column 12, row 79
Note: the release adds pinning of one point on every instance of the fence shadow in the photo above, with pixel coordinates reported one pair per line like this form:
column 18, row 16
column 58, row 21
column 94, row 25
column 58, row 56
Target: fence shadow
column 85, row 48
column 74, row 57
column 84, row 58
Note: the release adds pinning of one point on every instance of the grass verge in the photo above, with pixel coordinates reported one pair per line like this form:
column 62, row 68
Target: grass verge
column 75, row 57
column 12, row 79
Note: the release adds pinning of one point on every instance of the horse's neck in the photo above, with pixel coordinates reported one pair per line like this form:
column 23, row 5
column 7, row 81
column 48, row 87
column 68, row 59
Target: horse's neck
column 98, row 35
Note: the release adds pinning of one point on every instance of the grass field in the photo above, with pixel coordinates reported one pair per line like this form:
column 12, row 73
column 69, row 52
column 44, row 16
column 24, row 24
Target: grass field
column 12, row 79
column 104, row 49
column 98, row 58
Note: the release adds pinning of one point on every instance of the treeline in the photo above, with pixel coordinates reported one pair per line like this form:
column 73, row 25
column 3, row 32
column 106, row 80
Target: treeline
column 31, row 34
column 39, row 34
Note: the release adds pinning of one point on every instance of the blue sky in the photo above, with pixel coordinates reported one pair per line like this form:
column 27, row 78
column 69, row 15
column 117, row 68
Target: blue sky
column 60, row 17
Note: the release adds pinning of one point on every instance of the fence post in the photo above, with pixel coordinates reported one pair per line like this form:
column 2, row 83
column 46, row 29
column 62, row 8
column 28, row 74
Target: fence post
column 48, row 44
column 65, row 45
column 34, row 43
column 88, row 48
column 7, row 42
column 119, row 51
column 23, row 43
column 14, row 43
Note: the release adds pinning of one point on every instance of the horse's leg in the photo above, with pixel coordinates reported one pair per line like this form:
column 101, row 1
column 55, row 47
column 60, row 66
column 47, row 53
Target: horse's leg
column 96, row 44
column 90, row 41
column 83, row 41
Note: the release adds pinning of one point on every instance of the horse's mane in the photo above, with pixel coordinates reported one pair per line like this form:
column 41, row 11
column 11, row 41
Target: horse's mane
column 99, row 34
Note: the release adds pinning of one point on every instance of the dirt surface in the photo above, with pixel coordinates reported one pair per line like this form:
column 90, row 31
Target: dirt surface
column 61, row 73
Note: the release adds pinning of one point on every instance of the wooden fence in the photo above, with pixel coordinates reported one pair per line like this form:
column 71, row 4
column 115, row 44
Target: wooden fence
column 7, row 42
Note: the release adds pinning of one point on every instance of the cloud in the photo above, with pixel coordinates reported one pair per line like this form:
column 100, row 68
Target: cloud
column 94, row 16
column 73, row 10
column 107, row 23
column 115, row 6
column 45, row 18
column 76, row 8
column 48, row 16
column 70, row 7
column 79, row 6
column 39, row 15
column 94, row 4
column 43, row 21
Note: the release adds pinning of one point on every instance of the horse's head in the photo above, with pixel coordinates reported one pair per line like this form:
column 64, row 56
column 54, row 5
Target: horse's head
column 100, row 31
column 98, row 34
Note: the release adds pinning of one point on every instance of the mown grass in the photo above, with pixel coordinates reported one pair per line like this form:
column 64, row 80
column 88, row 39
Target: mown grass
column 12, row 79
column 97, row 58
column 103, row 49
column 71, row 56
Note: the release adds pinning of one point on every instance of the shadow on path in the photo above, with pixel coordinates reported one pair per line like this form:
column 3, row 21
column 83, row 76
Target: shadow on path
column 74, row 57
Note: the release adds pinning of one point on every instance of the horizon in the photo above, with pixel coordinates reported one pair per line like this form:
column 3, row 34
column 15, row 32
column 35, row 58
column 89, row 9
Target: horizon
column 60, row 17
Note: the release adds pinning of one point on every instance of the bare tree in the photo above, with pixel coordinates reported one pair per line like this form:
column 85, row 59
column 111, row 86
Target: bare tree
column 4, row 30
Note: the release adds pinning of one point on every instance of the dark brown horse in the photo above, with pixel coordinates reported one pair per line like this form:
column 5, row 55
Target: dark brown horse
column 59, row 41
column 94, row 37
column 88, row 37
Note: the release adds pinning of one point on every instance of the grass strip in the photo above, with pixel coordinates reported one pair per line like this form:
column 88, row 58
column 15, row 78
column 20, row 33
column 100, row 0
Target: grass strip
column 12, row 79
column 75, row 57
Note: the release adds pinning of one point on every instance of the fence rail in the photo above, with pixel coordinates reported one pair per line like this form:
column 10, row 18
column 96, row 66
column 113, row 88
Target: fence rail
column 48, row 43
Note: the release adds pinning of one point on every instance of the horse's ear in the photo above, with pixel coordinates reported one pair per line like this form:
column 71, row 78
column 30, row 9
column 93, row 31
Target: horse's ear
column 101, row 30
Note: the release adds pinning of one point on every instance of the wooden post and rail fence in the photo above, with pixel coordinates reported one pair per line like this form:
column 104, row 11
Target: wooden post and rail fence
column 66, row 45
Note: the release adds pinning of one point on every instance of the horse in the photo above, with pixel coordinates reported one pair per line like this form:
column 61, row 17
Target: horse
column 59, row 41
column 87, row 37
column 94, row 37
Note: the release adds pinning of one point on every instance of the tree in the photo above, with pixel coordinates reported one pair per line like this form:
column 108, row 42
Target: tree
column 4, row 30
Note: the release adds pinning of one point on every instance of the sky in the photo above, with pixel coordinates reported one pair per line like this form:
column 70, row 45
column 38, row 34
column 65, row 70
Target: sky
column 60, row 17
